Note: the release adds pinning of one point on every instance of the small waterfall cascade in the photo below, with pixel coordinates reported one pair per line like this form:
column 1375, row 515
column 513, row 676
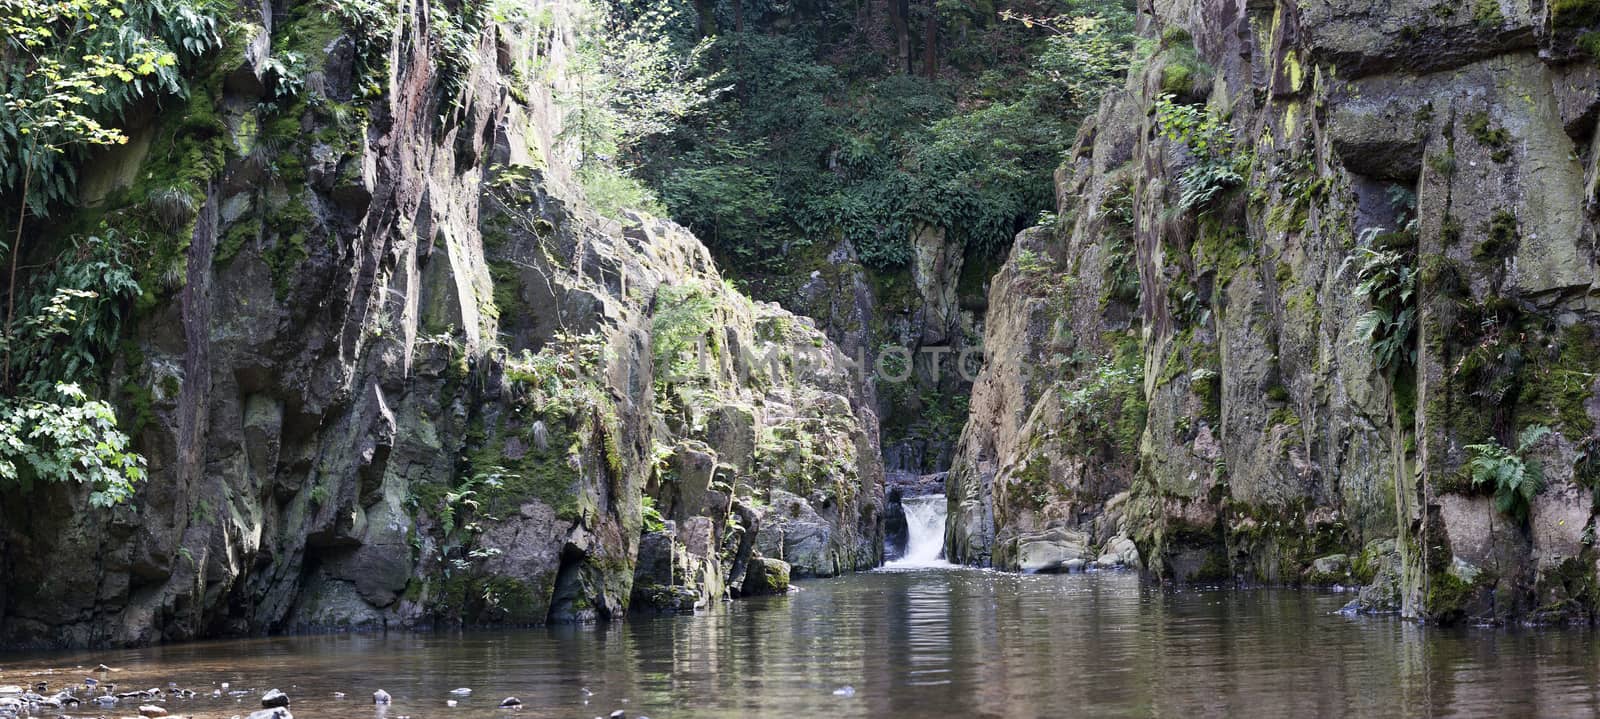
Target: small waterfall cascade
column 924, row 530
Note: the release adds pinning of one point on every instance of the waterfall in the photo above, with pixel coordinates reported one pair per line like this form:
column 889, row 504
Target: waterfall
column 924, row 530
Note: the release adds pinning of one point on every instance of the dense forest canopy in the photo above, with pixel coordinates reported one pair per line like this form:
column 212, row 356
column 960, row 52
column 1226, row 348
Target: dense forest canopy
column 862, row 121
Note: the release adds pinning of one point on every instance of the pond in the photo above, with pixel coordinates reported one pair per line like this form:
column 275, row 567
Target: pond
column 923, row 642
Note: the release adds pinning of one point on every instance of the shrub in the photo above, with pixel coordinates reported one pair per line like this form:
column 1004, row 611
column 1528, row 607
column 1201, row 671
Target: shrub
column 1209, row 138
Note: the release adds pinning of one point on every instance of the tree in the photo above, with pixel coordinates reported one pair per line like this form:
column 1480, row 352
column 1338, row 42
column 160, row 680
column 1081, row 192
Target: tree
column 67, row 69
column 634, row 80
column 71, row 63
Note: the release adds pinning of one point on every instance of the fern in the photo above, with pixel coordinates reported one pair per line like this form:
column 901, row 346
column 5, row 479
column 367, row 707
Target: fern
column 1514, row 479
column 1387, row 280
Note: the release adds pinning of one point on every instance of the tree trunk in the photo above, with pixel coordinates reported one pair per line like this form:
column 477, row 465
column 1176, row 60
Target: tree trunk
column 705, row 13
column 898, row 10
column 930, row 41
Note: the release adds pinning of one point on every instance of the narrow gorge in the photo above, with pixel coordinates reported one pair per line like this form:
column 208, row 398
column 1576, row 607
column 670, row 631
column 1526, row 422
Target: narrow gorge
column 400, row 340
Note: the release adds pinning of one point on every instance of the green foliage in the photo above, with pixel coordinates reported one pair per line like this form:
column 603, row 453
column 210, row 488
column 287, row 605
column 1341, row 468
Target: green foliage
column 561, row 378
column 1105, row 405
column 1209, row 138
column 369, row 24
column 1502, row 236
column 653, row 522
column 1386, row 279
column 59, row 94
column 1514, row 479
column 50, row 429
column 1487, row 13
column 72, row 316
column 1589, row 42
column 632, row 80
column 1575, row 13
column 682, row 318
column 67, row 438
column 823, row 138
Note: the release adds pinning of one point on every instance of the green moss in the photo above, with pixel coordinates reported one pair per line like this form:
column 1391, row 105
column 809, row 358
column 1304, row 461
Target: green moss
column 1574, row 373
column 1574, row 13
column 1206, row 384
column 1487, row 13
column 507, row 282
column 1557, row 390
column 1443, row 163
column 1497, row 139
column 1183, row 73
column 1283, row 416
column 246, row 229
column 508, row 599
column 1449, row 597
column 1589, row 42
column 1502, row 238
column 545, row 475
column 1405, row 399
column 1450, row 231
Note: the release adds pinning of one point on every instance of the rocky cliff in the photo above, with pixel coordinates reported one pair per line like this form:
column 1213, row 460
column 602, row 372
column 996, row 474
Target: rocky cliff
column 1319, row 308
column 389, row 371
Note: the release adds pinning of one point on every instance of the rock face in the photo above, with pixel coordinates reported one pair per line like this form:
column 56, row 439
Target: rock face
column 397, row 374
column 1202, row 378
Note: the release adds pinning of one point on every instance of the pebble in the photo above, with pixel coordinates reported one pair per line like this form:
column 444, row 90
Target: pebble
column 618, row 714
column 463, row 691
column 450, row 702
column 845, row 691
column 151, row 710
column 103, row 669
column 380, row 697
column 510, row 703
column 106, row 700
column 338, row 695
column 274, row 698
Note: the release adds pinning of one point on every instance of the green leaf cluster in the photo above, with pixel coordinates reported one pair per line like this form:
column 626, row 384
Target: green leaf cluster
column 1513, row 478
column 1209, row 138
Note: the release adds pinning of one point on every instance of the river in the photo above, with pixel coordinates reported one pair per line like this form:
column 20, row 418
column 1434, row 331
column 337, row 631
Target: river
column 927, row 642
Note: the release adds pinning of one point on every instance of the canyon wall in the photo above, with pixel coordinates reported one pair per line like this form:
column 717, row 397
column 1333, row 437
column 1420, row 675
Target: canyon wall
column 389, row 371
column 1322, row 288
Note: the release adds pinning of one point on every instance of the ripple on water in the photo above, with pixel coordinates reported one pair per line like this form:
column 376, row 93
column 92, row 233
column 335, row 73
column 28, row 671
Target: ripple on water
column 933, row 643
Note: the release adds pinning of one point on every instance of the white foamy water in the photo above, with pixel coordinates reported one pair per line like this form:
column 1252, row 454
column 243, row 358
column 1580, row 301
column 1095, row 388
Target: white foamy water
column 925, row 533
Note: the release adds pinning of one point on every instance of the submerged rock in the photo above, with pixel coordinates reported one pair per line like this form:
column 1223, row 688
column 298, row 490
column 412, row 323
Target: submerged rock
column 274, row 698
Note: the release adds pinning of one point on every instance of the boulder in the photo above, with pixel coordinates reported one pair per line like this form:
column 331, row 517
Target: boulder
column 1052, row 550
column 766, row 576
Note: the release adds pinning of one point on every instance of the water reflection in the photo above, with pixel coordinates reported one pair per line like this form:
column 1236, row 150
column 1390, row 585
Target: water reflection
column 935, row 643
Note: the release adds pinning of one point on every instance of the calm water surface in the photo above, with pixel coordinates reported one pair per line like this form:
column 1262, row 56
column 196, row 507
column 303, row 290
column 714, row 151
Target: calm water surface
column 925, row 643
